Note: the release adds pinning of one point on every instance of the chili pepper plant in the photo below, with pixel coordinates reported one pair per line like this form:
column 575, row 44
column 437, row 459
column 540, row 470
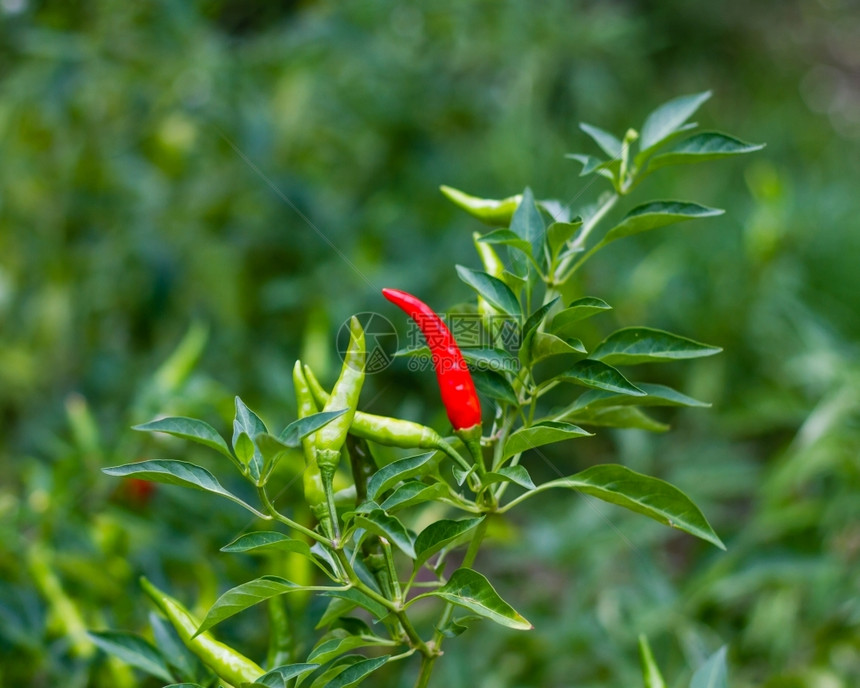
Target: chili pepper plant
column 384, row 576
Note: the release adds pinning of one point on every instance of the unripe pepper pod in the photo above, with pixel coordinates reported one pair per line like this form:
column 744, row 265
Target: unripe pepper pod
column 328, row 440
column 455, row 381
column 228, row 665
column 311, row 478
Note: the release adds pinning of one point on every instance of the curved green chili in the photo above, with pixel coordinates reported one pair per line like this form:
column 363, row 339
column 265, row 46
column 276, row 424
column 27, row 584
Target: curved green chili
column 312, row 477
column 229, row 665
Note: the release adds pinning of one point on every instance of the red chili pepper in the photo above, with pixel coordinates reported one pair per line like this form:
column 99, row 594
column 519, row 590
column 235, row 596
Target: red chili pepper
column 455, row 381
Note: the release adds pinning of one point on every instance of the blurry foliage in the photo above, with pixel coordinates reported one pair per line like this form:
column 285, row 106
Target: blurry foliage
column 169, row 163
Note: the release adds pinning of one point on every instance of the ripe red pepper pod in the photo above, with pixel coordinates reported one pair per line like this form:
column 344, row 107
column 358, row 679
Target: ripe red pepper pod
column 455, row 382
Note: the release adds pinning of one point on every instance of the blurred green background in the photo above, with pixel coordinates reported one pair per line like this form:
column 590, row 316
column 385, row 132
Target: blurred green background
column 180, row 184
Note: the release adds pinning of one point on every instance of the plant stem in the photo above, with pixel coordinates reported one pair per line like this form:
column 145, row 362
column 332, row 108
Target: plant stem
column 278, row 516
column 561, row 274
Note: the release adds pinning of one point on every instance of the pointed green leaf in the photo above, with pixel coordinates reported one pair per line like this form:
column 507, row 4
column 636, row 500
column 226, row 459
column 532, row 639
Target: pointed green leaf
column 655, row 395
column 469, row 589
column 334, row 647
column 507, row 238
column 487, row 210
column 643, row 494
column 545, row 345
column 591, row 164
column 539, row 434
column 189, row 429
column 293, row 434
column 559, row 233
column 615, row 417
column 650, row 672
column 642, row 156
column 713, row 673
column 634, row 345
column 279, row 676
column 264, row 541
column 709, row 145
column 244, row 447
column 599, row 375
column 528, row 224
column 530, row 328
column 244, row 596
column 397, row 471
column 438, row 535
column 493, row 290
column 608, row 143
column 514, row 474
column 389, row 527
column 578, row 310
column 356, row 673
column 133, row 650
column 359, row 599
column 657, row 214
column 412, row 493
column 491, row 359
column 249, row 423
column 494, row 385
column 177, row 473
column 272, row 450
column 337, row 608
column 669, row 117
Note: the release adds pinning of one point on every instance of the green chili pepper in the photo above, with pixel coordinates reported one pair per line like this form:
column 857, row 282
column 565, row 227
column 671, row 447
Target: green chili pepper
column 311, row 478
column 489, row 211
column 390, row 432
column 328, row 440
column 227, row 664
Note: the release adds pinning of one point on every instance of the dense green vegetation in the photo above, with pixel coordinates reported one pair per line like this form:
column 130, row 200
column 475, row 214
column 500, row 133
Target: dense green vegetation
column 178, row 172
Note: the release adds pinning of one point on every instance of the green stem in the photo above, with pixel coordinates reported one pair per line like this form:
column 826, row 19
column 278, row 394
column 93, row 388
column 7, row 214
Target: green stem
column 278, row 516
column 426, row 671
column 446, row 448
column 562, row 274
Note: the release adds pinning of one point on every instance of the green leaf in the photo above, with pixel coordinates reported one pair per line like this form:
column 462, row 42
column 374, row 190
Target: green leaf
column 244, row 596
column 244, row 447
column 389, row 527
column 248, row 422
column 650, row 671
column 599, row 375
column 491, row 359
column 559, row 233
column 293, row 434
column 494, row 385
column 590, row 164
column 334, row 647
column 514, row 474
column 493, row 290
column 607, row 142
column 655, row 395
column 469, row 589
column 184, row 685
column 359, row 599
column 438, row 535
column 539, row 434
column 669, row 117
column 713, row 673
column 634, row 345
column 615, row 417
column 578, row 310
column 133, row 650
column 278, row 677
column 397, row 471
column 265, row 541
column 530, row 328
column 545, row 345
column 356, row 673
column 528, row 224
column 657, row 214
column 487, row 210
column 189, row 429
column 508, row 238
column 709, row 145
column 177, row 473
column 337, row 608
column 412, row 493
column 643, row 494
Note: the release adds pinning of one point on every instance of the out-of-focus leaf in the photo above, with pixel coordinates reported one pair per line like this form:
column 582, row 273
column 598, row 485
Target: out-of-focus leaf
column 132, row 650
column 669, row 117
